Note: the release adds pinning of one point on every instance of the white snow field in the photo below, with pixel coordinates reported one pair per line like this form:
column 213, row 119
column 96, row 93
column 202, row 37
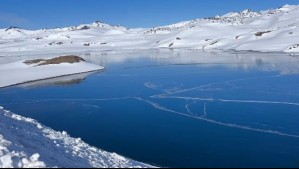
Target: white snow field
column 275, row 30
column 19, row 72
column 26, row 143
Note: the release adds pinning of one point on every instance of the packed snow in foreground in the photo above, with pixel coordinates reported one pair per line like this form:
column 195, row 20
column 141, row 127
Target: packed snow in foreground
column 274, row 30
column 26, row 143
column 20, row 72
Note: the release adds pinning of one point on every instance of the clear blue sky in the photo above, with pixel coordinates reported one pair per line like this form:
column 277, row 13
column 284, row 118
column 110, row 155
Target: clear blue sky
column 36, row 14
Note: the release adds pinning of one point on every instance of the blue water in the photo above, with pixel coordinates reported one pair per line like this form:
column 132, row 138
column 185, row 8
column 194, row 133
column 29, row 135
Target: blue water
column 176, row 108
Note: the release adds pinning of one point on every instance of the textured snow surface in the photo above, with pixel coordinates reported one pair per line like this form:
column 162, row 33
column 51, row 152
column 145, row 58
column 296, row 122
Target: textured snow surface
column 26, row 143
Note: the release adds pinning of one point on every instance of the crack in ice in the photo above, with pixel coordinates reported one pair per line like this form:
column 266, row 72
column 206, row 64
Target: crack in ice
column 212, row 84
column 226, row 100
column 204, row 111
column 157, row 106
column 191, row 114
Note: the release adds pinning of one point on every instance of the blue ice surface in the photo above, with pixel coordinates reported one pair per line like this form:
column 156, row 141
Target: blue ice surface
column 177, row 108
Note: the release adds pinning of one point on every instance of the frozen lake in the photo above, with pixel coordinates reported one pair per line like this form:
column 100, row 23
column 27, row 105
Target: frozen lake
column 176, row 108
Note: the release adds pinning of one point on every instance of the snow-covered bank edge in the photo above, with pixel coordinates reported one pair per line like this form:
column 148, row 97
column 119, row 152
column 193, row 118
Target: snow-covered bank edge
column 24, row 142
column 54, row 77
column 24, row 71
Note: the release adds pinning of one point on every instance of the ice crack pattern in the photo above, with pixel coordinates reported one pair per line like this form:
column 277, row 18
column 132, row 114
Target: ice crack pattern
column 176, row 93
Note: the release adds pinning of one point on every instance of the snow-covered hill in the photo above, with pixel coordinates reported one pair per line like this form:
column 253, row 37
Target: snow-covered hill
column 271, row 30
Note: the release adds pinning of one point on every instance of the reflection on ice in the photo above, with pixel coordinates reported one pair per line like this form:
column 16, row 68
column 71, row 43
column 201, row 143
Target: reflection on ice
column 59, row 81
column 281, row 62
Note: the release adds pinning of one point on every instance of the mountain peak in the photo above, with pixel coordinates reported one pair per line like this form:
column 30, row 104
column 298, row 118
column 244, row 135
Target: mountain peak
column 12, row 28
column 246, row 11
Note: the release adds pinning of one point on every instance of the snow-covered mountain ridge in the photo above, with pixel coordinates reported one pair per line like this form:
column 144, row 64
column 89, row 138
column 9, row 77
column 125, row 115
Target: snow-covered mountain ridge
column 275, row 30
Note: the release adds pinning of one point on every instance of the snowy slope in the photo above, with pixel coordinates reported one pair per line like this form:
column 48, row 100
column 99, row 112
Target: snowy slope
column 270, row 30
column 26, row 143
column 19, row 72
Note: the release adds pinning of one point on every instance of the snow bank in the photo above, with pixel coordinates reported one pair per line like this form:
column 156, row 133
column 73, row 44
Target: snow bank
column 19, row 72
column 26, row 143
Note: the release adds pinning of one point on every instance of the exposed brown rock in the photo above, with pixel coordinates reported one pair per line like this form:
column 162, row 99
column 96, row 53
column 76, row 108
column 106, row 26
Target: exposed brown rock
column 61, row 59
column 262, row 33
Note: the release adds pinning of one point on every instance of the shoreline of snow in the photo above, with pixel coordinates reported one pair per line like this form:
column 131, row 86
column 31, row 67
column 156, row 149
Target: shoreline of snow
column 50, row 78
column 17, row 73
column 26, row 143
